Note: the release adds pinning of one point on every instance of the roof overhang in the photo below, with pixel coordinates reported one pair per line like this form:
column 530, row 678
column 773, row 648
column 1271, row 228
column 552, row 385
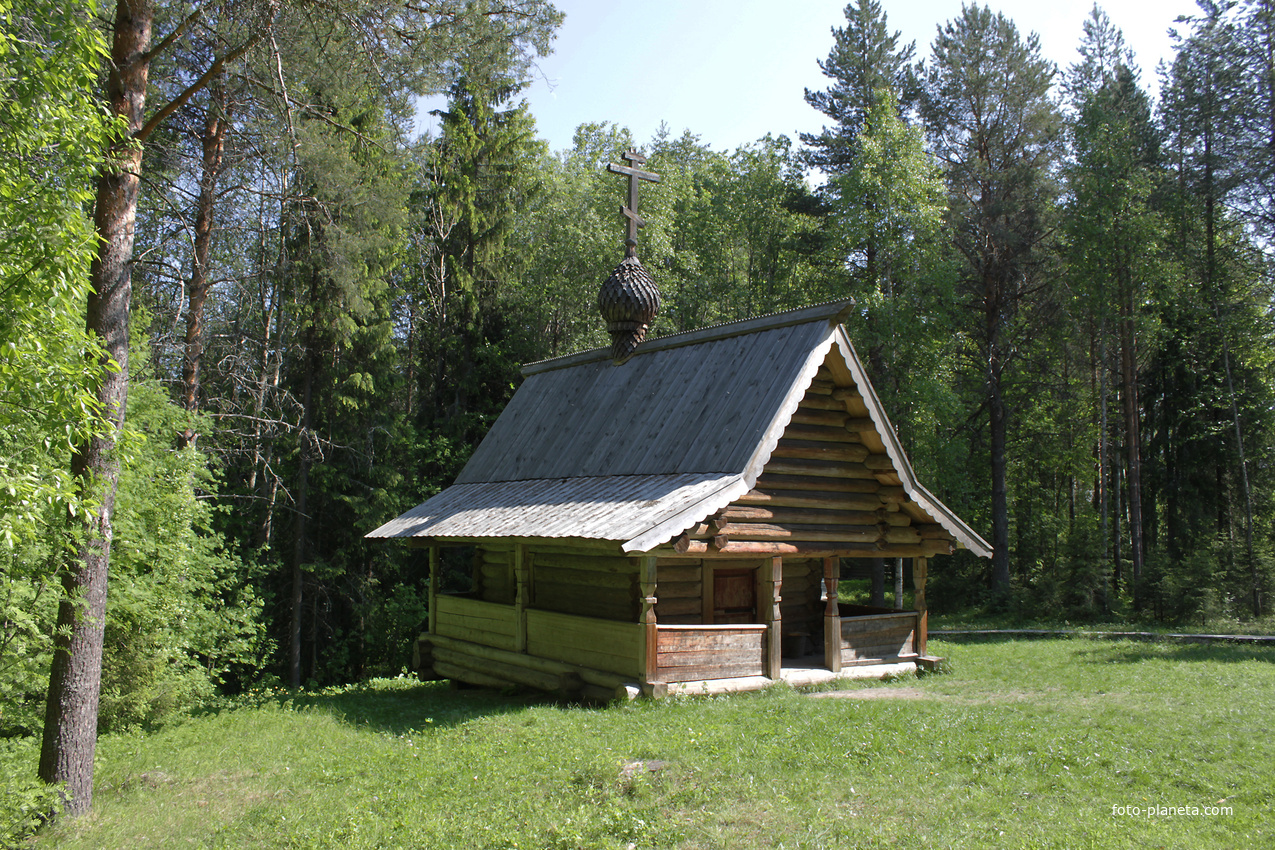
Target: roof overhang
column 639, row 511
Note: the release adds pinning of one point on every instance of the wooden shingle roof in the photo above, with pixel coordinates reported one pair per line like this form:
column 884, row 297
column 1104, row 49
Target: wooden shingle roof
column 640, row 452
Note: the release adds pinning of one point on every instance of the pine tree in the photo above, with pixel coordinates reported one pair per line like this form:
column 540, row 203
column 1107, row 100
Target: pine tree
column 996, row 132
column 1205, row 112
column 865, row 58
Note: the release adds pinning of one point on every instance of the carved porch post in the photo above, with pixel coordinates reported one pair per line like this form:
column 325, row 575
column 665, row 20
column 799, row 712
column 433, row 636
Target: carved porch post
column 831, row 616
column 651, row 635
column 768, row 600
column 920, row 566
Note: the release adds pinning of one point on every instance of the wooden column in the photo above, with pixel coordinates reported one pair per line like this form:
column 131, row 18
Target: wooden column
column 650, row 644
column 522, row 595
column 919, row 568
column 433, row 588
column 768, row 599
column 831, row 616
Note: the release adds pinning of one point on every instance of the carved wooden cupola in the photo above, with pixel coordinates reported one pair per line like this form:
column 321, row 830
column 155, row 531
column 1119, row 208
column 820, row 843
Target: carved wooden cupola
column 629, row 299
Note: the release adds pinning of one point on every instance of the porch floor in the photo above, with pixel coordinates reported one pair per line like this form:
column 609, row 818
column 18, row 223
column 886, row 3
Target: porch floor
column 797, row 672
column 811, row 670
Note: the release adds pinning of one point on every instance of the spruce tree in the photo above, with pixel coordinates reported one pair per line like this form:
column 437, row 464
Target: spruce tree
column 1114, row 246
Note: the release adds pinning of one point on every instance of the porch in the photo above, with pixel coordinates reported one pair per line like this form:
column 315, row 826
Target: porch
column 498, row 645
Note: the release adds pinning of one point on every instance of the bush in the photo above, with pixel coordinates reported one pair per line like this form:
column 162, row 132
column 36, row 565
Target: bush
column 25, row 801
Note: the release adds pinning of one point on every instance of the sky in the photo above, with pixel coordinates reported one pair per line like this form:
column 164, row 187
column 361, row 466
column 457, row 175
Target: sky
column 731, row 71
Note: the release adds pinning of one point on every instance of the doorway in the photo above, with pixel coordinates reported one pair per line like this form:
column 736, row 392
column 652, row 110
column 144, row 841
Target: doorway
column 735, row 595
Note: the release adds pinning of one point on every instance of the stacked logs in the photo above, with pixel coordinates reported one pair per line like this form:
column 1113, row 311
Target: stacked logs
column 820, row 493
column 494, row 573
column 681, row 592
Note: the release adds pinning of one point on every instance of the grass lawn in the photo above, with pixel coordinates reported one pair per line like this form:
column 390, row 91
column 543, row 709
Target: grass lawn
column 1050, row 743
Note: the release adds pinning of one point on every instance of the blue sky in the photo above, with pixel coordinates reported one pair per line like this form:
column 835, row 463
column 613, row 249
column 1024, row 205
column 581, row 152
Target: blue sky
column 731, row 71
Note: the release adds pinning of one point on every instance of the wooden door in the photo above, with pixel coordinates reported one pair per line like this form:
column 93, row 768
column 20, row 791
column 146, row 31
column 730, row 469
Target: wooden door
column 735, row 596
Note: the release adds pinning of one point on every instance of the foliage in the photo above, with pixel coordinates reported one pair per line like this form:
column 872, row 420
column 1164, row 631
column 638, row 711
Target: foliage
column 49, row 152
column 996, row 133
column 182, row 618
column 27, row 801
column 371, row 298
column 865, row 59
column 891, row 197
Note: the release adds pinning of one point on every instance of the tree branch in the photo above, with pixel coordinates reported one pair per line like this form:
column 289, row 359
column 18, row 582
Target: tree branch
column 173, row 36
column 178, row 102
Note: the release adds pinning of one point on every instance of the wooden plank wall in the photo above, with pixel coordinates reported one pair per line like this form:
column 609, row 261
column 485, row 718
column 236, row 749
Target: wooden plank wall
column 586, row 642
column 692, row 654
column 474, row 620
column 878, row 638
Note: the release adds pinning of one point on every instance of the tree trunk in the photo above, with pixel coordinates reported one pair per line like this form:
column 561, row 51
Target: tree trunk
column 213, row 143
column 1254, row 573
column 299, row 528
column 1133, row 438
column 70, row 724
column 1000, row 498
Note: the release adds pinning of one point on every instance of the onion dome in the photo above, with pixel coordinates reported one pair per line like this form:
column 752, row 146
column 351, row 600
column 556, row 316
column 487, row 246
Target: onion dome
column 628, row 301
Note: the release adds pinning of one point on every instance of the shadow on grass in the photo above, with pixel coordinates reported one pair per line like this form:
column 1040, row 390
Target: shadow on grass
column 1133, row 652
column 1127, row 650
column 394, row 706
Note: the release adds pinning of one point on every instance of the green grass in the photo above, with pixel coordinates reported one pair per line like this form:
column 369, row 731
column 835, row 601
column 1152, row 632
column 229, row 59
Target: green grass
column 1022, row 745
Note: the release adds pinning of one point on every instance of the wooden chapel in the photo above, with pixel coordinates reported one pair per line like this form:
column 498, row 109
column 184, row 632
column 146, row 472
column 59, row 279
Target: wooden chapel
column 669, row 515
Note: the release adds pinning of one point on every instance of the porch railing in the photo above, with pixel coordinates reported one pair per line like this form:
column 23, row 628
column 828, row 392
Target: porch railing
column 693, row 653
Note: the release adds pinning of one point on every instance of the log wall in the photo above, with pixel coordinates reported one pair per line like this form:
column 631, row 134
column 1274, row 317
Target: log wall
column 586, row 642
column 584, row 584
column 475, row 620
column 487, row 666
column 828, row 488
column 695, row 653
column 494, row 573
column 679, row 590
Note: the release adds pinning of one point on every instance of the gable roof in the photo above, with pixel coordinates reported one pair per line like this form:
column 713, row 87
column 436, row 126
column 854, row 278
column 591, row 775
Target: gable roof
column 642, row 451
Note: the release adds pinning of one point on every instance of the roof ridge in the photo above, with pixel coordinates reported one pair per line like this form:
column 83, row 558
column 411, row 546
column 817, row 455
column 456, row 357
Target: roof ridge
column 722, row 330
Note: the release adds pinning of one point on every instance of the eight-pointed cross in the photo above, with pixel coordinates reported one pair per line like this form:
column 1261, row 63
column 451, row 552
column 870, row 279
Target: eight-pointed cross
column 630, row 210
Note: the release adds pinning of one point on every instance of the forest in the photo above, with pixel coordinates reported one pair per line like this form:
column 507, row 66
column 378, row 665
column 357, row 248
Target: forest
column 247, row 314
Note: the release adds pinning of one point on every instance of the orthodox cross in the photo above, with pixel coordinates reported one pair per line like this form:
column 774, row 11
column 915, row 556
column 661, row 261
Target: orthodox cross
column 630, row 210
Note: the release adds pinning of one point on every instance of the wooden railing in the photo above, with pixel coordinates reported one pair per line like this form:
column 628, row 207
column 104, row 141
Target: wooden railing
column 585, row 641
column 486, row 623
column 694, row 653
column 875, row 638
